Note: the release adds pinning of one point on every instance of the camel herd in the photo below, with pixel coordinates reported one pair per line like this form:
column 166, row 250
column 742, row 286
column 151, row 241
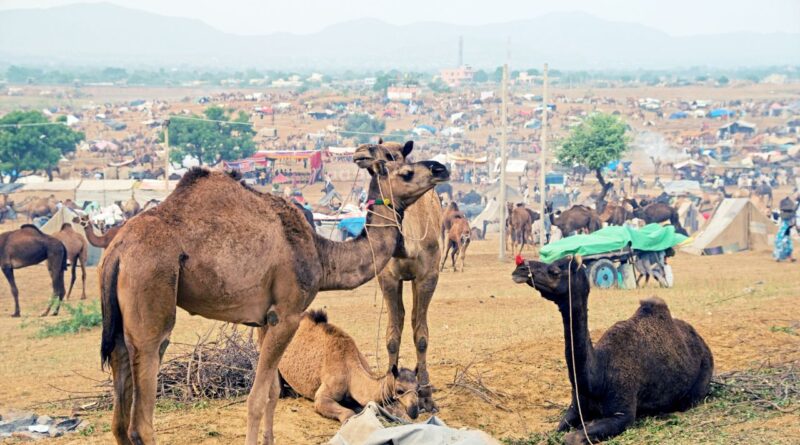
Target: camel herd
column 264, row 267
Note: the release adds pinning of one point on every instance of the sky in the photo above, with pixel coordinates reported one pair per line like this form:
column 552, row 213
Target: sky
column 676, row 17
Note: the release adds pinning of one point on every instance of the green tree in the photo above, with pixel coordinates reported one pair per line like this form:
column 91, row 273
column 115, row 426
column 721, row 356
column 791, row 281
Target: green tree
column 723, row 80
column 222, row 137
column 597, row 141
column 497, row 76
column 480, row 76
column 362, row 127
column 30, row 141
column 438, row 86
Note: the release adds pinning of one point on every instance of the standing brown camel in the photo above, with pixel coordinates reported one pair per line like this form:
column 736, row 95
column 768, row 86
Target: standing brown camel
column 418, row 262
column 101, row 241
column 458, row 238
column 578, row 218
column 323, row 363
column 521, row 221
column 248, row 258
column 658, row 212
column 450, row 213
column 27, row 246
column 616, row 214
column 77, row 251
column 37, row 207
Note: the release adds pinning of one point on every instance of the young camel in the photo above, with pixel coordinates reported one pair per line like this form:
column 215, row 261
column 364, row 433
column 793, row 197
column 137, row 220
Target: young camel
column 247, row 258
column 323, row 363
column 647, row 364
column 458, row 239
column 101, row 241
column 27, row 246
column 418, row 262
column 77, row 251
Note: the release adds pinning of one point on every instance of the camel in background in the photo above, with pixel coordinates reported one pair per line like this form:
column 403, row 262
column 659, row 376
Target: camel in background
column 418, row 262
column 247, row 258
column 101, row 241
column 520, row 221
column 77, row 252
column 323, row 363
column 27, row 246
column 458, row 239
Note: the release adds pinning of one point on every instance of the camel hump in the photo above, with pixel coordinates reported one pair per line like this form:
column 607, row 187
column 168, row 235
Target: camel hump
column 317, row 316
column 192, row 176
column 66, row 226
column 31, row 226
column 653, row 306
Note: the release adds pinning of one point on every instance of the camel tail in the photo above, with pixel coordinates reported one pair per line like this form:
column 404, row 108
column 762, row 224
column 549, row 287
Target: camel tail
column 112, row 317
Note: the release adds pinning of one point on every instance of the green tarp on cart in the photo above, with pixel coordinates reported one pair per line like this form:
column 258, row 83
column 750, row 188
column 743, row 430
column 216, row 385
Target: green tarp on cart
column 652, row 238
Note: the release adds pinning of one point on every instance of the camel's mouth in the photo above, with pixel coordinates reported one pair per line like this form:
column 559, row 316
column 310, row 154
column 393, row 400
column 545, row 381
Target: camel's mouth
column 519, row 279
column 362, row 158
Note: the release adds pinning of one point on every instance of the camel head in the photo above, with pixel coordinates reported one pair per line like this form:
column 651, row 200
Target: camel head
column 552, row 280
column 397, row 179
column 82, row 220
column 402, row 391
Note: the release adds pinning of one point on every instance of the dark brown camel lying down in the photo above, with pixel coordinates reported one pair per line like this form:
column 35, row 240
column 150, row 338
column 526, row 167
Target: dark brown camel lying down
column 323, row 363
column 650, row 363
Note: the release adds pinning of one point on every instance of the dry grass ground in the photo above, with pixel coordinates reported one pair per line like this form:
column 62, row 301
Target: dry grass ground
column 744, row 305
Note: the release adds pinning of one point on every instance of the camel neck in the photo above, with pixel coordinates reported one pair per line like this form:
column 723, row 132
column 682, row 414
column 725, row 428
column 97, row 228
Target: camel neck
column 97, row 241
column 581, row 341
column 349, row 264
column 365, row 387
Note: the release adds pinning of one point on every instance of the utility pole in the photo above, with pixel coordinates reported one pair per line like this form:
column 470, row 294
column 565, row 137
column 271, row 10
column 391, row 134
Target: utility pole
column 503, row 142
column 543, row 159
column 166, row 156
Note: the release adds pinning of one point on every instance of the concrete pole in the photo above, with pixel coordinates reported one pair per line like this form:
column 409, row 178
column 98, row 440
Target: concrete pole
column 166, row 156
column 543, row 158
column 503, row 159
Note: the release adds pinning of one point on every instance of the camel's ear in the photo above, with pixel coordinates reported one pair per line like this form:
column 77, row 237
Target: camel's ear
column 380, row 141
column 395, row 372
column 407, row 148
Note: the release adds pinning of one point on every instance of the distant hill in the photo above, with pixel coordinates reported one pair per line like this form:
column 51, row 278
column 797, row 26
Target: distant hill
column 106, row 34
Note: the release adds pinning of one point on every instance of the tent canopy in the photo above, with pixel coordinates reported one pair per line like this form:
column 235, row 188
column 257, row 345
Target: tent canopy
column 65, row 215
column 735, row 226
column 652, row 238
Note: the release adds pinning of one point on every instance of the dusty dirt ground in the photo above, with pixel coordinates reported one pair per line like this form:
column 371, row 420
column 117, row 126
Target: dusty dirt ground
column 743, row 305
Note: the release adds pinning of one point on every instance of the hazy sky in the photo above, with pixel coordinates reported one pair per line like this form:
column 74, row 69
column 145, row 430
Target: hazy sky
column 677, row 17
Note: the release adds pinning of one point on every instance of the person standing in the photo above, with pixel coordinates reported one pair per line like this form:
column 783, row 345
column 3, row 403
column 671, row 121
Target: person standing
column 783, row 240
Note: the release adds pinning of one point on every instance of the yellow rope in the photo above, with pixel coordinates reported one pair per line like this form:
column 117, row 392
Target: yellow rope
column 572, row 352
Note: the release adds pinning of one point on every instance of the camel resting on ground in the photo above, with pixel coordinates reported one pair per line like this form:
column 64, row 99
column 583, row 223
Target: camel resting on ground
column 77, row 252
column 27, row 246
column 648, row 364
column 458, row 239
column 323, row 363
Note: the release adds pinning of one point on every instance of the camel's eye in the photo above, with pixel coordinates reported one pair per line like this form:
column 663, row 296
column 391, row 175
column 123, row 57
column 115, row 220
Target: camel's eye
column 554, row 271
column 407, row 174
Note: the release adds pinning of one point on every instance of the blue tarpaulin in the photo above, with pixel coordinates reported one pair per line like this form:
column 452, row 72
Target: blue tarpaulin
column 353, row 226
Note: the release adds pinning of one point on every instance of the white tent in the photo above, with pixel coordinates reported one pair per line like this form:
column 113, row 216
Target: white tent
column 105, row 191
column 55, row 186
column 735, row 226
column 153, row 189
column 513, row 166
column 63, row 216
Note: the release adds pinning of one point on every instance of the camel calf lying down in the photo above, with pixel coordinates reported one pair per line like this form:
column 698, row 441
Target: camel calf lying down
column 324, row 364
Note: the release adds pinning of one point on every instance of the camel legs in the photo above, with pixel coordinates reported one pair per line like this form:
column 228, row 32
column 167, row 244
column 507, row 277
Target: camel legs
column 393, row 296
column 83, row 277
column 444, row 257
column 274, row 342
column 326, row 405
column 600, row 429
column 423, row 289
column 269, row 415
column 453, row 255
column 72, row 278
column 123, row 392
column 8, row 271
column 55, row 264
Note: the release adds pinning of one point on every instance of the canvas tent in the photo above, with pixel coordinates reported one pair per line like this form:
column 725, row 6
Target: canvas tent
column 105, row 191
column 66, row 215
column 492, row 214
column 735, row 226
column 153, row 189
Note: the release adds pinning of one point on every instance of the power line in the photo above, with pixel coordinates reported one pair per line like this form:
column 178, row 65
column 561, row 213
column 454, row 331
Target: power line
column 32, row 124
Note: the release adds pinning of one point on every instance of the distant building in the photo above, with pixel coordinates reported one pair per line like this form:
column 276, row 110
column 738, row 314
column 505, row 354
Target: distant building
column 737, row 127
column 457, row 76
column 402, row 93
column 370, row 81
